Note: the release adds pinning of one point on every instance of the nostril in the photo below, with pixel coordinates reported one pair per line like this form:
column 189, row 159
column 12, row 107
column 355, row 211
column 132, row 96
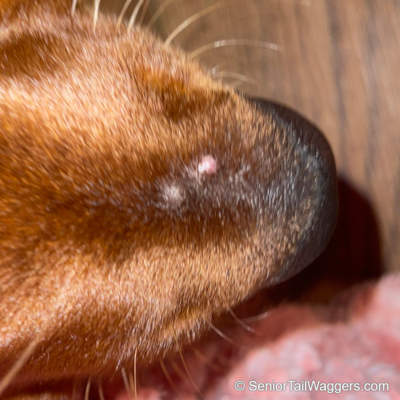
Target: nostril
column 309, row 190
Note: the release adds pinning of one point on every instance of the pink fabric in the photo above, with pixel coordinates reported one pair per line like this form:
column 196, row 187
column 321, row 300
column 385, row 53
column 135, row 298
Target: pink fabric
column 355, row 340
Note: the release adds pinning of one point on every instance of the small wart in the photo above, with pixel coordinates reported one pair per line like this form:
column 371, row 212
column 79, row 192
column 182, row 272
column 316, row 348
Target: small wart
column 207, row 166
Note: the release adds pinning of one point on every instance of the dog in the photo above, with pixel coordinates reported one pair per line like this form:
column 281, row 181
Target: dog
column 140, row 199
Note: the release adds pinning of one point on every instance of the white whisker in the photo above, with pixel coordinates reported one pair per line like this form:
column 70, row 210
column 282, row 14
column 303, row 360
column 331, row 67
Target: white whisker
column 234, row 75
column 100, row 390
column 257, row 317
column 123, row 11
column 232, row 43
column 189, row 375
column 132, row 384
column 6, row 380
column 87, row 390
column 96, row 9
column 135, row 12
column 159, row 11
column 167, row 375
column 144, row 11
column 220, row 333
column 73, row 6
column 241, row 322
column 178, row 370
column 132, row 377
column 126, row 383
column 190, row 21
column 135, row 374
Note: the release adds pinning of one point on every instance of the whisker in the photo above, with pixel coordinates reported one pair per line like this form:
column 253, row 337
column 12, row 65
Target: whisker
column 135, row 12
column 87, row 390
column 6, row 380
column 178, row 370
column 96, row 9
column 241, row 322
column 257, row 317
column 100, row 390
column 132, row 384
column 144, row 11
column 220, row 333
column 73, row 6
column 189, row 375
column 168, row 376
column 235, row 75
column 190, row 21
column 232, row 43
column 123, row 11
column 126, row 383
column 135, row 373
column 159, row 11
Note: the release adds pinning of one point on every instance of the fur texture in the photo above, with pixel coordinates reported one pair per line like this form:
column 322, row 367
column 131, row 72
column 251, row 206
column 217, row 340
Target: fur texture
column 139, row 199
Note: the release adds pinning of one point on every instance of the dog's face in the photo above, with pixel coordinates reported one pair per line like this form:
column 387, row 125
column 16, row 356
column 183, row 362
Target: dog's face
column 139, row 198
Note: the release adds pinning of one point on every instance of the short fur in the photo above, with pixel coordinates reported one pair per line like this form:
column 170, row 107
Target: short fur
column 114, row 245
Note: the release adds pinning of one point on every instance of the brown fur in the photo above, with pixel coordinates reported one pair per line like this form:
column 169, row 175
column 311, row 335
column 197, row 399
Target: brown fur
column 112, row 245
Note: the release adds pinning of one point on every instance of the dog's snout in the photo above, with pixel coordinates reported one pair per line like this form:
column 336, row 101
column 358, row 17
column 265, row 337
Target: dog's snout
column 307, row 188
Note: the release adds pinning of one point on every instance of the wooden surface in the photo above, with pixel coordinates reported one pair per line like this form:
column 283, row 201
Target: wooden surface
column 338, row 63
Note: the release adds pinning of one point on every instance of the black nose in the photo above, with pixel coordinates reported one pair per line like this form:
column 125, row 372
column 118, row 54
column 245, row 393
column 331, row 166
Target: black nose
column 314, row 183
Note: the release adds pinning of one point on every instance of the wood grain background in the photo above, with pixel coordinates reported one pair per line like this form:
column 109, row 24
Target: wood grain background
column 338, row 64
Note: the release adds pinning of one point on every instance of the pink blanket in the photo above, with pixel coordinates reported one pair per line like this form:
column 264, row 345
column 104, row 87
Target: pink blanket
column 348, row 350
